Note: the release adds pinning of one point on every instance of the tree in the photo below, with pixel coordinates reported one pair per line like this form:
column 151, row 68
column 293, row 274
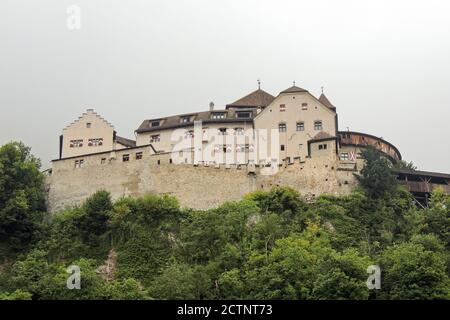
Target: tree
column 404, row 165
column 16, row 295
column 342, row 276
column 437, row 216
column 22, row 200
column 376, row 177
column 96, row 213
column 410, row 271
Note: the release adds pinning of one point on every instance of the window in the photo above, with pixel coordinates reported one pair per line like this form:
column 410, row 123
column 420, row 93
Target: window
column 155, row 138
column 76, row 143
column 185, row 119
column 318, row 125
column 282, row 107
column 103, row 161
column 300, row 146
column 218, row 115
column 79, row 163
column 155, row 123
column 322, row 146
column 242, row 148
column 222, row 131
column 88, row 125
column 344, row 156
column 304, row 106
column 189, row 134
column 238, row 131
column 300, row 126
column 126, row 157
column 282, row 147
column 241, row 114
column 95, row 142
column 282, row 127
column 138, row 155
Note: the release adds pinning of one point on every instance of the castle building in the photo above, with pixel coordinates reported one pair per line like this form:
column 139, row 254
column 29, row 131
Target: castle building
column 306, row 126
column 302, row 142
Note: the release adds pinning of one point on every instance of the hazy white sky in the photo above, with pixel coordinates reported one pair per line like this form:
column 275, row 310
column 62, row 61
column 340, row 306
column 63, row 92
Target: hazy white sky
column 384, row 64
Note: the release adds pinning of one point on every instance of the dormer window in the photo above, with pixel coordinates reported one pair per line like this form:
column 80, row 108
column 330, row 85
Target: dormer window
column 218, row 115
column 155, row 123
column 241, row 114
column 185, row 119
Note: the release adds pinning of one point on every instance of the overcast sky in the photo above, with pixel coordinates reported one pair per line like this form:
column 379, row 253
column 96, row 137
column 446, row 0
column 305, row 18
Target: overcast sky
column 384, row 64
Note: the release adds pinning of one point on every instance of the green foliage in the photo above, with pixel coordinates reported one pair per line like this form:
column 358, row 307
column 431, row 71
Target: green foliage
column 16, row 295
column 411, row 271
column 376, row 176
column 270, row 245
column 404, row 165
column 21, row 195
column 94, row 218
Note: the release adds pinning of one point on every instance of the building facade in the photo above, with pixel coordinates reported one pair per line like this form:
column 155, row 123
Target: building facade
column 257, row 142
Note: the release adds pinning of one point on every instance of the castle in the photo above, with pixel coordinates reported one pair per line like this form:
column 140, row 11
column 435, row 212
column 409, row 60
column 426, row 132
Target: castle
column 208, row 157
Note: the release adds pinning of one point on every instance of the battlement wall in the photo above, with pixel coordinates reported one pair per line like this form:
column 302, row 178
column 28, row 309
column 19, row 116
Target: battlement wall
column 196, row 186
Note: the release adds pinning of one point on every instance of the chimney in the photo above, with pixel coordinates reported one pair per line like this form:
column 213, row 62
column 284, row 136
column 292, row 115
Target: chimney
column 211, row 106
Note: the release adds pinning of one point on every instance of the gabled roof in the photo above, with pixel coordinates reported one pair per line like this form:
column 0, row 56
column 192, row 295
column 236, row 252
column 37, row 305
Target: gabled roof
column 89, row 111
column 294, row 89
column 126, row 142
column 172, row 122
column 322, row 135
column 324, row 100
column 258, row 98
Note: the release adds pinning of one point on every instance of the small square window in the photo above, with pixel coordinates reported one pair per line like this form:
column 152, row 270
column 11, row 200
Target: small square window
column 300, row 126
column 155, row 138
column 282, row 127
column 79, row 163
column 241, row 115
column 282, row 147
column 318, row 125
column 138, row 155
column 88, row 125
column 304, row 106
column 344, row 156
column 218, row 115
column 103, row 161
column 185, row 119
column 189, row 134
column 282, row 107
column 238, row 131
column 126, row 157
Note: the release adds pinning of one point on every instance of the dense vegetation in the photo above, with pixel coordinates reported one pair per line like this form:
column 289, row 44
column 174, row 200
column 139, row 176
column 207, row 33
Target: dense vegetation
column 269, row 245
